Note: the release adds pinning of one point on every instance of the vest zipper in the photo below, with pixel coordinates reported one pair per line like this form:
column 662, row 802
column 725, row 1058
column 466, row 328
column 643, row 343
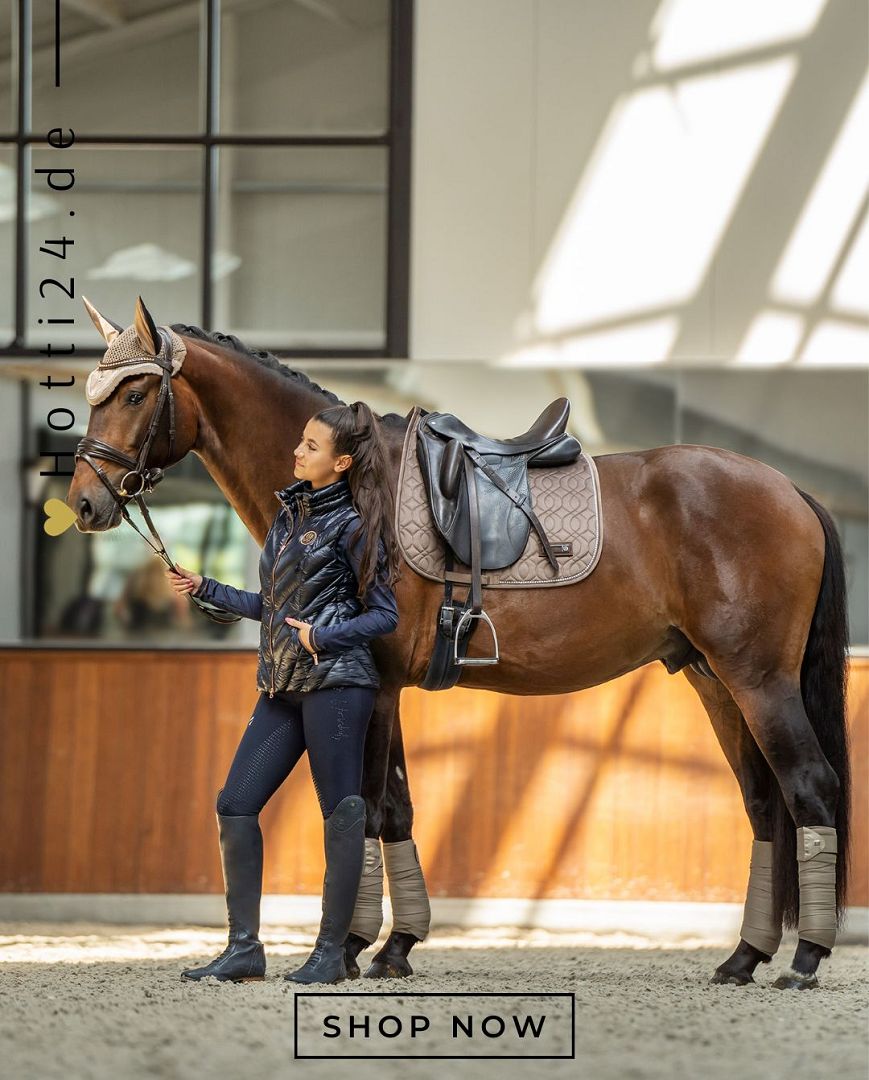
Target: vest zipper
column 290, row 535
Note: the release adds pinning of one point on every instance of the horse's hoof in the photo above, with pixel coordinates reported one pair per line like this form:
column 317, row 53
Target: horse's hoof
column 353, row 946
column 731, row 978
column 391, row 961
column 394, row 967
column 350, row 962
column 795, row 980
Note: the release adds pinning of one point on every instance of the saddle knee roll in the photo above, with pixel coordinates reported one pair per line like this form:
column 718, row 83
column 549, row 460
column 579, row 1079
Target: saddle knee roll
column 816, row 859
column 759, row 928
column 452, row 467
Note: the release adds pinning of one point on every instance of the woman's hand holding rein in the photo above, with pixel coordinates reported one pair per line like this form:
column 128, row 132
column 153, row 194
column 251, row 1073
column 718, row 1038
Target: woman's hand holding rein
column 183, row 581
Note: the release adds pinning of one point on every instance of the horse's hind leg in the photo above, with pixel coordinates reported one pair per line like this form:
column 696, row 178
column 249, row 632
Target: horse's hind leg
column 760, row 933
column 775, row 714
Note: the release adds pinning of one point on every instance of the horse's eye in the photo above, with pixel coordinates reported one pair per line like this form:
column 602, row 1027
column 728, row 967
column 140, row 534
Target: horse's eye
column 135, row 397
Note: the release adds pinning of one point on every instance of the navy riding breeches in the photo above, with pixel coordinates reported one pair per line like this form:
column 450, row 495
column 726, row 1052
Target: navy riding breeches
column 329, row 723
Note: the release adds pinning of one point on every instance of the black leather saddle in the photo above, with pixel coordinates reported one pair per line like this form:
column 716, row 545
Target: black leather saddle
column 480, row 497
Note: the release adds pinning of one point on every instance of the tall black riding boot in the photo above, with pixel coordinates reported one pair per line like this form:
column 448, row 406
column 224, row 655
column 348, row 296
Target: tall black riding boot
column 345, row 853
column 241, row 853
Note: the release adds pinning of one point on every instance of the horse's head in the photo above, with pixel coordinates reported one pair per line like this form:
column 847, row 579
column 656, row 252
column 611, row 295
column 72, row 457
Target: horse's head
column 135, row 430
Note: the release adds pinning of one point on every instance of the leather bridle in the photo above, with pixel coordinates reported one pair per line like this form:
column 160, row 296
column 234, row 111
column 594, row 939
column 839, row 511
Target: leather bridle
column 145, row 477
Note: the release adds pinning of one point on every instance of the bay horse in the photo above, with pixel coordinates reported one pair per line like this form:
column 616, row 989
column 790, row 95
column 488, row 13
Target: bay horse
column 714, row 564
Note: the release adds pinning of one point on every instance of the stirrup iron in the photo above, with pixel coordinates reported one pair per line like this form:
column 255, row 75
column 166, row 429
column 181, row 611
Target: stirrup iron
column 467, row 616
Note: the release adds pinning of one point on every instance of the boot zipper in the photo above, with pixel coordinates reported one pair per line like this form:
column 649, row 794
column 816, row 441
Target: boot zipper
column 272, row 613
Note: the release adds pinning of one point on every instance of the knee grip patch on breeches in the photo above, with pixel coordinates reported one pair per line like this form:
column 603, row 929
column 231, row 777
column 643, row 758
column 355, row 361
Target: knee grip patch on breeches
column 816, row 861
column 411, row 911
column 758, row 926
column 368, row 913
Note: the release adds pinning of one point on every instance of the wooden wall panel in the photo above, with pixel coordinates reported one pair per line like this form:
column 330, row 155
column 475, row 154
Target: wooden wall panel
column 112, row 761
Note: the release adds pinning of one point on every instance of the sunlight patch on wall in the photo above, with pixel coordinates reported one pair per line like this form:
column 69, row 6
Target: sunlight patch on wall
column 692, row 31
column 645, row 222
column 833, row 343
column 829, row 213
column 647, row 342
column 772, row 338
column 850, row 294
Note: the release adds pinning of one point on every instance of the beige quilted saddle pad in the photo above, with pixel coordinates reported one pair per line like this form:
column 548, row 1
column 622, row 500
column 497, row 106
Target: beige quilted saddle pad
column 566, row 500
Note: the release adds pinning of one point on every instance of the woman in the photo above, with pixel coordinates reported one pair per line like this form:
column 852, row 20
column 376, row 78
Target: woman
column 330, row 550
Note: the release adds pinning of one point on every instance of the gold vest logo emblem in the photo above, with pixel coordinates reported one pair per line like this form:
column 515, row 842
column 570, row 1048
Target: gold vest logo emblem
column 309, row 537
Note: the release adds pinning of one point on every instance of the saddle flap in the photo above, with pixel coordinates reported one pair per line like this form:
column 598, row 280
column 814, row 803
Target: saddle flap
column 504, row 529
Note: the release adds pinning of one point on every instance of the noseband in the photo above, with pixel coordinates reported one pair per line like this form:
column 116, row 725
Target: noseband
column 146, row 478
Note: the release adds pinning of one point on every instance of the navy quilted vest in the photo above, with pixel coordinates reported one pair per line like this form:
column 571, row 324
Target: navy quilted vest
column 305, row 576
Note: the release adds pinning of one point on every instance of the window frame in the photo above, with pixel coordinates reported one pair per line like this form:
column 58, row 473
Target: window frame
column 396, row 140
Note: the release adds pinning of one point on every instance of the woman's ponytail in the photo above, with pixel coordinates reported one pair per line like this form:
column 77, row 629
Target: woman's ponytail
column 356, row 431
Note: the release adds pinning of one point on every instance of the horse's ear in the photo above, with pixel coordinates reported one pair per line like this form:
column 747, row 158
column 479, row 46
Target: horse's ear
column 106, row 327
column 146, row 329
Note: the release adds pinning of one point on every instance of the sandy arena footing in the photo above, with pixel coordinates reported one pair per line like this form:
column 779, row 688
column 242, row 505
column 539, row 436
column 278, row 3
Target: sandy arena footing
column 96, row 1001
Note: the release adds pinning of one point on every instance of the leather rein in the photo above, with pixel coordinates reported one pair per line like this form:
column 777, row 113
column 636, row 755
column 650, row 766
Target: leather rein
column 146, row 478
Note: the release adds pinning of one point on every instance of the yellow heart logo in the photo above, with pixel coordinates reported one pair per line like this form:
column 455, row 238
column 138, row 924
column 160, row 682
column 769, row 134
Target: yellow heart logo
column 58, row 517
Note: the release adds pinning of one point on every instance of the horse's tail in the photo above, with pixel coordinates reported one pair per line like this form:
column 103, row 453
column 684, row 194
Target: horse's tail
column 823, row 682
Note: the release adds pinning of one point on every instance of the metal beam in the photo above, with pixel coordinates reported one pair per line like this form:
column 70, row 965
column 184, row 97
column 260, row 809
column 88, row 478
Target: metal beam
column 98, row 43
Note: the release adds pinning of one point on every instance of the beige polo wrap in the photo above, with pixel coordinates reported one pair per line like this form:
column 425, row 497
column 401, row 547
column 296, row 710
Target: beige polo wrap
column 368, row 913
column 411, row 911
column 816, row 859
column 758, row 926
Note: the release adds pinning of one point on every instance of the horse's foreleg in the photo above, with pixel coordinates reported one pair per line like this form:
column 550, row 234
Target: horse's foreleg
column 760, row 933
column 389, row 817
column 411, row 911
column 368, row 912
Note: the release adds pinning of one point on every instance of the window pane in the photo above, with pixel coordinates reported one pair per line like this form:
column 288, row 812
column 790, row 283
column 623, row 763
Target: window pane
column 110, row 587
column 131, row 67
column 7, row 244
column 313, row 68
column 136, row 229
column 301, row 247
